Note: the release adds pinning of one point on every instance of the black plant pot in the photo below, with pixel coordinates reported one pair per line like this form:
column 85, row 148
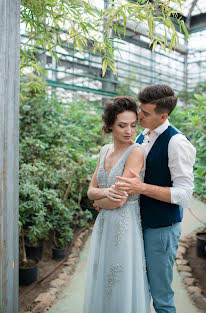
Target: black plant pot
column 201, row 245
column 28, row 275
column 58, row 254
column 34, row 252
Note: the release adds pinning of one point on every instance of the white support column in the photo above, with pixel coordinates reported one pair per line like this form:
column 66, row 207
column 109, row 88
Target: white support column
column 9, row 157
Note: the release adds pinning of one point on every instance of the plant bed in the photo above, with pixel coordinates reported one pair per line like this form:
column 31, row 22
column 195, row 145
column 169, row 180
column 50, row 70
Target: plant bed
column 26, row 303
column 192, row 269
column 46, row 266
column 198, row 266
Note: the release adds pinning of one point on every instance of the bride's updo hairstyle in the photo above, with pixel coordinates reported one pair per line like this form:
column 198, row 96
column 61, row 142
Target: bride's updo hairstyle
column 115, row 106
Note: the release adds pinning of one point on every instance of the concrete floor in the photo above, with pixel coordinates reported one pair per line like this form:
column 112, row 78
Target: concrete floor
column 71, row 300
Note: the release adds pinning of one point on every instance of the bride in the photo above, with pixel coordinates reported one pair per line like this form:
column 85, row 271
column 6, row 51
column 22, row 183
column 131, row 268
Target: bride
column 116, row 274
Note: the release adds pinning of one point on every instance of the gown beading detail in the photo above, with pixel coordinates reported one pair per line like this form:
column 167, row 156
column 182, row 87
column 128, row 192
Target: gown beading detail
column 116, row 272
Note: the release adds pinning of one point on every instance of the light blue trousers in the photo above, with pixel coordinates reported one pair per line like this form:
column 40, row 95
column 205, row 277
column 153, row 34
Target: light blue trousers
column 160, row 249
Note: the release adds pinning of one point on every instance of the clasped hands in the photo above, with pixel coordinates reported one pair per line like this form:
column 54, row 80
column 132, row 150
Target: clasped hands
column 123, row 188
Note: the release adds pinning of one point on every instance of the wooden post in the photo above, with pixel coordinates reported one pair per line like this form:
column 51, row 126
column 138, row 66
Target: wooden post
column 9, row 158
column 108, row 86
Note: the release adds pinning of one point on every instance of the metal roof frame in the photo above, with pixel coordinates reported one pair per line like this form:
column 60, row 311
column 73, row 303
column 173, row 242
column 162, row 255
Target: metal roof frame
column 195, row 22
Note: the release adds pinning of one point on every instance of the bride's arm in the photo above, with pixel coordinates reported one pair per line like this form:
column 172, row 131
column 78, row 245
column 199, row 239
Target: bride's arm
column 94, row 192
column 135, row 162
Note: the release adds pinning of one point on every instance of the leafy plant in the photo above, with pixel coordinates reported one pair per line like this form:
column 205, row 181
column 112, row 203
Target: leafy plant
column 58, row 143
column 80, row 24
column 191, row 120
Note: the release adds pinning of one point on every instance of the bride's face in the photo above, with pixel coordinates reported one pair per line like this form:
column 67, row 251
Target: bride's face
column 124, row 126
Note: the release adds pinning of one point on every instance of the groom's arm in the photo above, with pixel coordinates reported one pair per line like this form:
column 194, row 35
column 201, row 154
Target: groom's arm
column 181, row 155
column 135, row 185
column 181, row 159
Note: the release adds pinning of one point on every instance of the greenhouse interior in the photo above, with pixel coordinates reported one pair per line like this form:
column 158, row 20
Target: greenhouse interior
column 80, row 72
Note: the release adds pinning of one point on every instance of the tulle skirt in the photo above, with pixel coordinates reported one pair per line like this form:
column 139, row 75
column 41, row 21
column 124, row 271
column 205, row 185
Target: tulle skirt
column 116, row 272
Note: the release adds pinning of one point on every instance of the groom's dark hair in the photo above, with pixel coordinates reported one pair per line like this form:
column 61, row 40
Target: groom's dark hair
column 162, row 95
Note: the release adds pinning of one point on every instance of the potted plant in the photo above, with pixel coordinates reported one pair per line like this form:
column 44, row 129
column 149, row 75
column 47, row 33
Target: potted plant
column 59, row 217
column 35, row 234
column 61, row 239
column 33, row 228
column 28, row 267
column 65, row 223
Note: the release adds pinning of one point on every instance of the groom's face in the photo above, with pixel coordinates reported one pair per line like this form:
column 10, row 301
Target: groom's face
column 149, row 118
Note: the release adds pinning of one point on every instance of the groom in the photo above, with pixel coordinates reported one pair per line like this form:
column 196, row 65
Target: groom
column 167, row 187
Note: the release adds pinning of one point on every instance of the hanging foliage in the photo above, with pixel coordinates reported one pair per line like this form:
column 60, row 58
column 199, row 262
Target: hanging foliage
column 49, row 23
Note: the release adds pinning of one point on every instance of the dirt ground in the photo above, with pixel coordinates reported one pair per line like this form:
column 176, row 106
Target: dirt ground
column 47, row 264
column 198, row 266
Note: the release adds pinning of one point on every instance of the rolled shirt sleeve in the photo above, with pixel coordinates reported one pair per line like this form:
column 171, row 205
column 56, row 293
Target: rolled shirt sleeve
column 181, row 159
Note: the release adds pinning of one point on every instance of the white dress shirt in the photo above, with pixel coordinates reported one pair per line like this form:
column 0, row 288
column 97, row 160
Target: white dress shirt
column 181, row 159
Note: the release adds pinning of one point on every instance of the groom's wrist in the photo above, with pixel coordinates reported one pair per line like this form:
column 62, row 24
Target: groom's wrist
column 143, row 189
column 156, row 192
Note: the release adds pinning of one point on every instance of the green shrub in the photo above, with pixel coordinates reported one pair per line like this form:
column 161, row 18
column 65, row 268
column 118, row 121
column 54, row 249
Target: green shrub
column 58, row 143
column 192, row 122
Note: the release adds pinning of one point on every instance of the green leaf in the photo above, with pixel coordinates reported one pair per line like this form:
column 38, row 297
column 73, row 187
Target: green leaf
column 154, row 45
column 104, row 67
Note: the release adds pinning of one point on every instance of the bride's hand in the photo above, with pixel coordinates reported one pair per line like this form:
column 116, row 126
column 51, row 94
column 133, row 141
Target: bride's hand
column 114, row 194
column 96, row 207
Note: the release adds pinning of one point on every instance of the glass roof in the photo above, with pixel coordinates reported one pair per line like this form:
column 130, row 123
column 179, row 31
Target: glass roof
column 199, row 8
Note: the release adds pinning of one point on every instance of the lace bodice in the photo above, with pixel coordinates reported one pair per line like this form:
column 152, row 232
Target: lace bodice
column 107, row 179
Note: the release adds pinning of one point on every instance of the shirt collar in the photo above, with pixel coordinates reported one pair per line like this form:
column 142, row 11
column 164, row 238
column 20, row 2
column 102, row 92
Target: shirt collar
column 159, row 130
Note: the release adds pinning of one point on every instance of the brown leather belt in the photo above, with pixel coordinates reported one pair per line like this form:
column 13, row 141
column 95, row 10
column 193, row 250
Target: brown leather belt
column 161, row 226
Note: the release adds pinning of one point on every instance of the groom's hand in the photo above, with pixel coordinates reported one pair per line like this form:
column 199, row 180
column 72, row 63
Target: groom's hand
column 131, row 185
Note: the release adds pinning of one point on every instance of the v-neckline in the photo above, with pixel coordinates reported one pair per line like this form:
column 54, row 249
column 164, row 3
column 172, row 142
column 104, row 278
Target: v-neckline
column 108, row 172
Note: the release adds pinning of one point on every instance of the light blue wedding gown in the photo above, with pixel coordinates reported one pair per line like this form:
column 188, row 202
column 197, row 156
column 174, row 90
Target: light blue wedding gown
column 116, row 271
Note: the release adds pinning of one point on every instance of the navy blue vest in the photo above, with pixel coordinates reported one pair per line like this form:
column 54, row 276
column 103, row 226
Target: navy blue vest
column 154, row 212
